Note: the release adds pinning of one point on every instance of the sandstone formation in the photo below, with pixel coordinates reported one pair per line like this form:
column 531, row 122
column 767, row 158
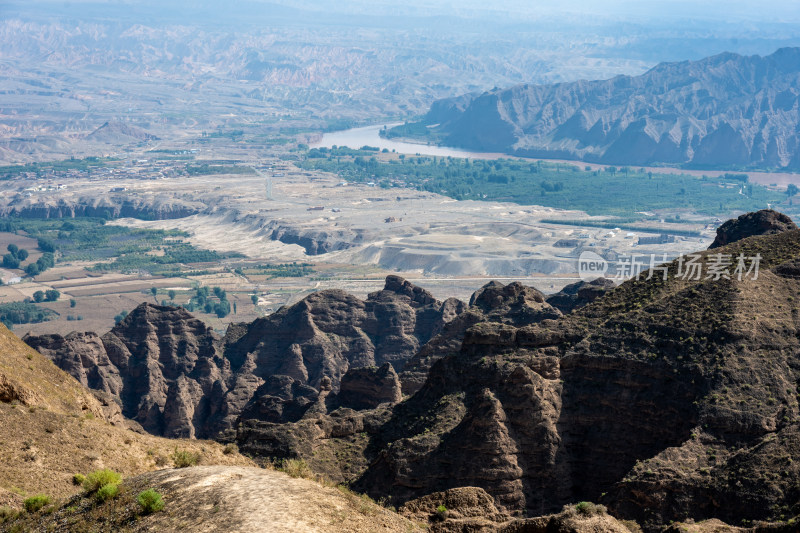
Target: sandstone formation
column 107, row 206
column 764, row 222
column 367, row 388
column 661, row 399
column 494, row 302
column 52, row 427
column 177, row 378
column 722, row 110
column 576, row 295
column 471, row 509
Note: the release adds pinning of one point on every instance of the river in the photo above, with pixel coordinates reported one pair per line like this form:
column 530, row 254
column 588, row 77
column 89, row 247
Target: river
column 370, row 136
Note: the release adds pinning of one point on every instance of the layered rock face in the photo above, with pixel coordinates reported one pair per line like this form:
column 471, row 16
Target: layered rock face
column 178, row 378
column 662, row 400
column 160, row 363
column 722, row 110
column 507, row 304
column 332, row 434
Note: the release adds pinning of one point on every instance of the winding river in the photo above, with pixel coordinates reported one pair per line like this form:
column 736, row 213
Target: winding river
column 370, row 136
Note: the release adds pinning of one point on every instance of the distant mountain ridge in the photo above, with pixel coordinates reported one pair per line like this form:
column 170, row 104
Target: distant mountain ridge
column 726, row 110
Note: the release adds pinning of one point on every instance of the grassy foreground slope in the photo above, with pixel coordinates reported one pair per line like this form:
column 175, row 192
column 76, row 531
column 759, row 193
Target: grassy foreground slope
column 51, row 428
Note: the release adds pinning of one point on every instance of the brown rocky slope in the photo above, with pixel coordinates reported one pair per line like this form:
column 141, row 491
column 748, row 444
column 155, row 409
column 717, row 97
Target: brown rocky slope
column 663, row 399
column 176, row 377
column 51, row 428
column 332, row 435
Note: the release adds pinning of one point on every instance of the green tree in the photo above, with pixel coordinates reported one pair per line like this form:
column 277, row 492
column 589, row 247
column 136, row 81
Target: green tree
column 47, row 260
column 154, row 292
column 791, row 190
column 10, row 261
column 254, row 299
column 171, row 294
column 73, row 302
column 13, row 249
column 38, row 296
column 51, row 295
column 46, row 245
column 32, row 269
column 22, row 254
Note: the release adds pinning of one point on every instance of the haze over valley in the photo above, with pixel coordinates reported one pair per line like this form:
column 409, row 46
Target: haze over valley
column 348, row 241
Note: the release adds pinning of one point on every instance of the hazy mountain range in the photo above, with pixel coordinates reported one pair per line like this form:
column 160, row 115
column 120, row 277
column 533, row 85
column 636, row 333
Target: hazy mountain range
column 727, row 110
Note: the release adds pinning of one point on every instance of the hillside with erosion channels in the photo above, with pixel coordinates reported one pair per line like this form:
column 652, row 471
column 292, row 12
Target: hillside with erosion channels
column 54, row 428
column 51, row 428
column 662, row 399
column 727, row 111
column 176, row 377
column 667, row 400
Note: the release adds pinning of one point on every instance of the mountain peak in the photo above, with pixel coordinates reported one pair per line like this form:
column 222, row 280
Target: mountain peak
column 725, row 110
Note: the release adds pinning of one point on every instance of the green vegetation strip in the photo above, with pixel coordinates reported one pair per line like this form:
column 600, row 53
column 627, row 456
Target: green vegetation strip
column 608, row 191
column 158, row 252
column 24, row 313
column 11, row 171
column 283, row 270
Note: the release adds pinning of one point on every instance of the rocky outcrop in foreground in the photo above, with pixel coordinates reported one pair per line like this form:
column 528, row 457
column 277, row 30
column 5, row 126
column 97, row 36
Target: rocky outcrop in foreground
column 513, row 304
column 719, row 111
column 662, row 399
column 177, row 378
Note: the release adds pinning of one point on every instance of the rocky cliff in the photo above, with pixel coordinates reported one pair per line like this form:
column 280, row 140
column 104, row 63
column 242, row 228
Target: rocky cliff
column 662, row 399
column 160, row 207
column 52, row 427
column 176, row 377
column 725, row 110
column 494, row 302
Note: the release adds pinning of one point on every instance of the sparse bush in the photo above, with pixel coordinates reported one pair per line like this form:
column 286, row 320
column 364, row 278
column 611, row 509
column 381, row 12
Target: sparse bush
column 184, row 458
column 78, row 479
column 362, row 502
column 230, row 449
column 35, row 503
column 632, row 526
column 107, row 492
column 296, row 468
column 101, row 478
column 441, row 512
column 150, row 501
column 7, row 514
column 590, row 509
